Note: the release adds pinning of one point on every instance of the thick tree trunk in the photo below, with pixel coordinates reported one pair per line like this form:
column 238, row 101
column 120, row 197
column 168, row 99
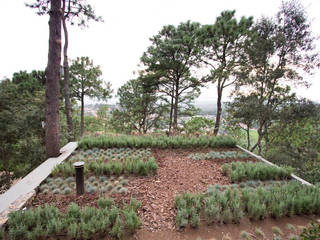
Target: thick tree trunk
column 52, row 82
column 67, row 81
column 82, row 116
column 219, row 110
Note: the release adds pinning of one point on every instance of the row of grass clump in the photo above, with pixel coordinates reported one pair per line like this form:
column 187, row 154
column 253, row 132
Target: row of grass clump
column 231, row 205
column 219, row 155
column 244, row 171
column 131, row 165
column 111, row 154
column 93, row 184
column 155, row 142
column 76, row 223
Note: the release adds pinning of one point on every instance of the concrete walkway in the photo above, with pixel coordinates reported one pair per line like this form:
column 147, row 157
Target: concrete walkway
column 21, row 192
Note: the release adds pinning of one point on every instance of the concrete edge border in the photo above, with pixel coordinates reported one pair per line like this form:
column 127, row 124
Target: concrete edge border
column 271, row 164
column 15, row 198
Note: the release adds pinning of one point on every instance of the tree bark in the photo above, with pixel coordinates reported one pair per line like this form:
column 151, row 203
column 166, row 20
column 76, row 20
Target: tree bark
column 52, row 81
column 171, row 111
column 248, row 137
column 175, row 108
column 82, row 115
column 219, row 110
column 67, row 78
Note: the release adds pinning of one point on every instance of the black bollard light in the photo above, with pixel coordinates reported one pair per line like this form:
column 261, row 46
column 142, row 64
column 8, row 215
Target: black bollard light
column 79, row 177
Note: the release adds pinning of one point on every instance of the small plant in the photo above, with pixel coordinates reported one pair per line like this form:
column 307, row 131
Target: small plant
column 117, row 229
column 109, row 186
column 182, row 218
column 70, row 180
column 277, row 231
column 105, row 202
column 194, row 219
column 290, row 227
column 122, row 190
column 67, row 191
column 311, row 233
column 124, row 182
column 92, row 179
column 260, row 233
column 92, row 189
column 43, row 186
column 56, row 191
column 293, row 237
column 245, row 235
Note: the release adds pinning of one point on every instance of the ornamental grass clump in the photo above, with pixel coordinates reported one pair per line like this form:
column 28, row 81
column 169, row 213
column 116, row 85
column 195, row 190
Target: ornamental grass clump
column 229, row 205
column 244, row 171
column 219, row 155
column 86, row 223
column 124, row 141
column 188, row 209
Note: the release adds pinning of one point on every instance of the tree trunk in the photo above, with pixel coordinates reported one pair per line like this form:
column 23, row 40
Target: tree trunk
column 219, row 110
column 248, row 137
column 82, row 115
column 52, row 81
column 67, row 81
column 258, row 144
column 171, row 110
column 175, row 108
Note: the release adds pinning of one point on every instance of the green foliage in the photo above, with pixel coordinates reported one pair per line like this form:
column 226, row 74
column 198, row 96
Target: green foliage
column 226, row 205
column 280, row 51
column 311, row 233
column 219, row 155
column 174, row 50
column 295, row 139
column 21, row 104
column 113, row 161
column 139, row 110
column 222, row 50
column 105, row 202
column 260, row 233
column 245, row 235
column 48, row 222
column 105, row 142
column 198, row 125
column 277, row 231
column 243, row 171
column 188, row 206
column 85, row 81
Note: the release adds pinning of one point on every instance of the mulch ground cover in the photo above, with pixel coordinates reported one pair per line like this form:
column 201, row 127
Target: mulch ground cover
column 177, row 173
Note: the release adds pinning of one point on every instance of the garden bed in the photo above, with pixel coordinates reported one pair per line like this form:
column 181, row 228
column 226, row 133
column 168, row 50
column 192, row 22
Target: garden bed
column 155, row 176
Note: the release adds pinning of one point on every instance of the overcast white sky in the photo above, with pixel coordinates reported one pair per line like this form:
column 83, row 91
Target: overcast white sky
column 118, row 43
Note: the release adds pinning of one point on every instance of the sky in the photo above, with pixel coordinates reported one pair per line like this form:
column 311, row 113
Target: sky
column 118, row 43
